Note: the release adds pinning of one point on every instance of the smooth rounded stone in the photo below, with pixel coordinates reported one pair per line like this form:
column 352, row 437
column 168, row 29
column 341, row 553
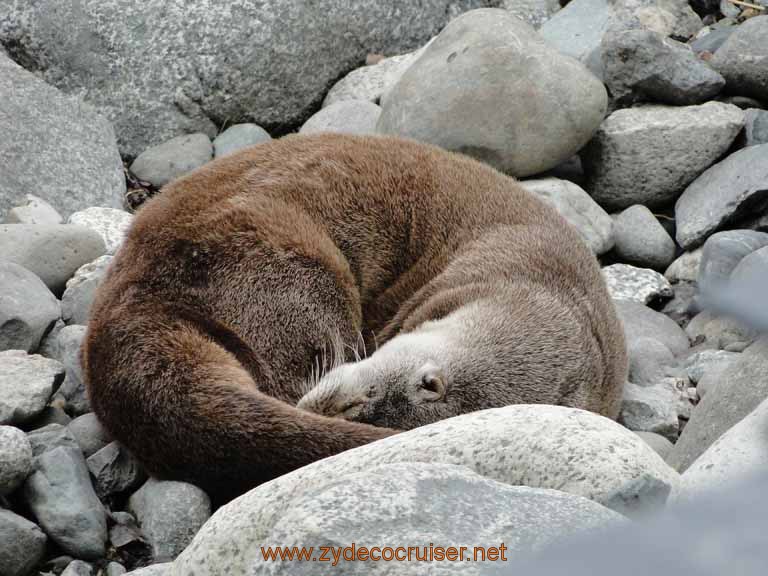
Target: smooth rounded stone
column 28, row 309
column 162, row 569
column 575, row 205
column 22, row 544
column 741, row 452
column 89, row 433
column 639, row 239
column 114, row 569
column 54, row 146
column 171, row 69
column 490, row 87
column 422, row 504
column 742, row 59
column 722, row 332
column 648, row 154
column 347, row 116
column 650, row 361
column 15, row 459
column 26, row 384
column 237, row 137
column 61, row 496
column 685, row 268
column 115, row 470
column 34, row 211
column 642, row 322
column 643, row 65
column 81, row 289
column 729, row 190
column 722, row 252
column 78, row 568
column 170, row 514
column 655, row 408
column 73, row 390
column 109, row 223
column 165, row 162
column 752, row 266
column 708, row 362
column 641, row 285
column 661, row 445
column 712, row 41
column 755, row 127
column 52, row 252
column 742, row 387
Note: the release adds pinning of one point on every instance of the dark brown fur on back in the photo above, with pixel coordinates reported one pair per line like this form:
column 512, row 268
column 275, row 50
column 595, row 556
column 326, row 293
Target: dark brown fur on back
column 233, row 281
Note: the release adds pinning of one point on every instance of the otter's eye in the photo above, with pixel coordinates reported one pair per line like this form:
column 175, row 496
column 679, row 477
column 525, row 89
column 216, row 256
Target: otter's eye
column 431, row 383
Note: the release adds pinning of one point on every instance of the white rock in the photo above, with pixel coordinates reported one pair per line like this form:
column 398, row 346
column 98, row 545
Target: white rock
column 109, row 223
column 641, row 285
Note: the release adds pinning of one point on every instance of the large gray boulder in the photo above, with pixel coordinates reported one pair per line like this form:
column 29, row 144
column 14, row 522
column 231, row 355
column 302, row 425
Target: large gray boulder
column 158, row 69
column 490, row 87
column 53, row 146
column 742, row 59
column 649, row 154
column 723, row 194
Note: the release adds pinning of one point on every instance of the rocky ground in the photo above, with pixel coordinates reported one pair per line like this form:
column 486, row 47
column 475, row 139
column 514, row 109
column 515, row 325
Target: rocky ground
column 643, row 121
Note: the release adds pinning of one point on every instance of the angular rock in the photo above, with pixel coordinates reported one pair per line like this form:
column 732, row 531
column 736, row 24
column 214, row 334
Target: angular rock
column 642, row 322
column 115, row 470
column 170, row 514
column 742, row 59
column 490, row 87
column 642, row 65
column 60, row 495
column 28, row 309
column 22, row 544
column 34, row 211
column 755, row 127
column 650, row 361
column 26, row 385
column 347, row 116
column 165, row 162
column 81, row 288
column 15, row 459
column 73, row 389
column 109, row 223
column 712, row 41
column 639, row 239
column 654, row 408
column 50, row 437
column 731, row 189
column 640, row 285
column 91, row 436
column 170, row 69
column 649, row 154
column 661, row 445
column 685, row 268
column 575, row 205
column 53, row 146
column 238, row 137
column 743, row 386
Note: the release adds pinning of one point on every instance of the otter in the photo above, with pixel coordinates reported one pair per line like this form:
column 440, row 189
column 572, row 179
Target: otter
column 242, row 282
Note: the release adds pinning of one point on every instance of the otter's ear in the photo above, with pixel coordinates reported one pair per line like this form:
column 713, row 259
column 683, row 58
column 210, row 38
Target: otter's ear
column 431, row 383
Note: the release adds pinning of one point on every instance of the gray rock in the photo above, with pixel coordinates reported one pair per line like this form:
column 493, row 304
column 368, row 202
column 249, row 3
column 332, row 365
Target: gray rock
column 458, row 93
column 34, row 211
column 170, row 514
column 346, row 116
column 78, row 568
column 654, row 408
column 650, row 361
column 15, row 459
column 91, row 436
column 661, row 445
column 165, row 162
column 109, row 223
column 53, row 253
column 647, row 155
column 712, row 41
column 81, row 288
column 642, row 322
column 114, row 569
column 640, row 285
column 639, row 239
column 126, row 533
column 26, row 385
column 49, row 346
column 115, row 470
column 60, row 495
column 53, row 146
column 642, row 65
column 73, row 389
column 237, row 137
column 752, row 267
column 534, row 12
column 174, row 69
column 720, row 332
column 49, row 437
column 22, row 544
column 729, row 190
column 683, row 305
column 575, row 205
column 28, row 309
column 163, row 569
column 722, row 252
column 685, row 268
column 755, row 127
column 708, row 362
column 742, row 388
column 741, row 59
column 52, row 414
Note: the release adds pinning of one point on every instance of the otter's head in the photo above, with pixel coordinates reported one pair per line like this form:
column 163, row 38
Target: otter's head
column 403, row 385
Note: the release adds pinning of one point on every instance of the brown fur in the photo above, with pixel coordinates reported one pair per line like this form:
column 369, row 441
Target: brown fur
column 233, row 281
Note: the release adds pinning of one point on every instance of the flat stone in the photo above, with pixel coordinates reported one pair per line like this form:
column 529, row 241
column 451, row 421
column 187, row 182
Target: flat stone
column 26, row 385
column 115, row 470
column 109, row 223
column 165, row 162
column 649, row 154
column 89, row 433
column 729, row 190
column 640, row 322
column 237, row 137
column 641, row 285
column 639, row 239
column 685, row 268
column 575, row 205
column 81, row 289
column 742, row 59
column 15, row 459
column 22, row 544
column 28, row 309
column 346, row 116
column 34, row 211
